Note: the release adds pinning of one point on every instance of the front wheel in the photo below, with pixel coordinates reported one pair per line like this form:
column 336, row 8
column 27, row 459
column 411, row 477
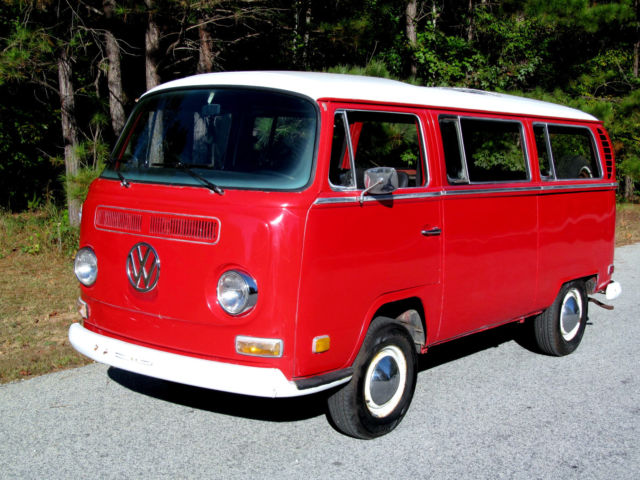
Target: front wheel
column 376, row 399
column 559, row 329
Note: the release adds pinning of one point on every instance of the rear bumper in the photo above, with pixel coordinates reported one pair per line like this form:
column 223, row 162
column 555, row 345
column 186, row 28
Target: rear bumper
column 613, row 290
column 227, row 377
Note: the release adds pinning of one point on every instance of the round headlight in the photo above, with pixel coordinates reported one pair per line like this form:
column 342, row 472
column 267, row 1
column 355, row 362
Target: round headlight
column 86, row 266
column 237, row 292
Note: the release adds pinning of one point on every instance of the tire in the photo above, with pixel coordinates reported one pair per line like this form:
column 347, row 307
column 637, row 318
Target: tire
column 379, row 394
column 559, row 329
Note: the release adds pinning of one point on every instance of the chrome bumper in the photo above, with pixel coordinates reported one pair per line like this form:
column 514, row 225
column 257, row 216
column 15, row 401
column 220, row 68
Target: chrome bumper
column 227, row 377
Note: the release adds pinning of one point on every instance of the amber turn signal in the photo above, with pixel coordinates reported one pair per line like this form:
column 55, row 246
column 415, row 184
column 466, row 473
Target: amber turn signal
column 321, row 344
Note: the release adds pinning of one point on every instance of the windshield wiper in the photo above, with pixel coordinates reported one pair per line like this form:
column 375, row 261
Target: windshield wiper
column 187, row 168
column 123, row 181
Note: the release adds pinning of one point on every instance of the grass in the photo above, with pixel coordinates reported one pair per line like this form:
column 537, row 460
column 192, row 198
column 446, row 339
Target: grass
column 38, row 289
column 38, row 292
column 627, row 224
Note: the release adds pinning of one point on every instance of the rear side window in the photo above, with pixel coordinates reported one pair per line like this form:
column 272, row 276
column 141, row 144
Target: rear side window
column 363, row 140
column 566, row 152
column 483, row 150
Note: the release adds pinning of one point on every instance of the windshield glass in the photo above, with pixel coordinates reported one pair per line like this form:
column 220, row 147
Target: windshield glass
column 232, row 138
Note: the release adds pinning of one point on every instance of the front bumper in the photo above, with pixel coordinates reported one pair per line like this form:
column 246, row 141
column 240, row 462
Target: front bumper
column 227, row 377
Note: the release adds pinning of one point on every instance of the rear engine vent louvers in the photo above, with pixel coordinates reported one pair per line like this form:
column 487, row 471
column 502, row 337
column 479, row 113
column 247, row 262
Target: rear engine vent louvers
column 608, row 154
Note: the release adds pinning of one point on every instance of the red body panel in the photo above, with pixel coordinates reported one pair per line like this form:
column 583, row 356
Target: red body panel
column 325, row 264
column 259, row 233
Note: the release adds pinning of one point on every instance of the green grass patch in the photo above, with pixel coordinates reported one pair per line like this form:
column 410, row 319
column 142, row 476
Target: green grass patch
column 38, row 293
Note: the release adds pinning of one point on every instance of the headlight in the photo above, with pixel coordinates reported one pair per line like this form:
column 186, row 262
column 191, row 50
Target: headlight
column 237, row 292
column 86, row 266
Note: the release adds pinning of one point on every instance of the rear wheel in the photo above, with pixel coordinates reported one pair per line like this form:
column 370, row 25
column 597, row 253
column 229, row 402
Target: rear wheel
column 376, row 399
column 559, row 329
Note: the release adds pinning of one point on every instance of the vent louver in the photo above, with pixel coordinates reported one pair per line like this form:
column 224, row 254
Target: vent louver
column 118, row 220
column 186, row 228
column 158, row 224
column 608, row 154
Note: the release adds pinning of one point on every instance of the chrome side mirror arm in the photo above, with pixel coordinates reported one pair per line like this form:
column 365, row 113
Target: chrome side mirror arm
column 379, row 181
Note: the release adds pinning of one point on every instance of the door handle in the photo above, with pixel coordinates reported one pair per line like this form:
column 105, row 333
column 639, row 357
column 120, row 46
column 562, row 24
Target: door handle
column 431, row 232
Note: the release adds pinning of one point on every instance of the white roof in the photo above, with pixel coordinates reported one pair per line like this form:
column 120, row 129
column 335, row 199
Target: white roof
column 351, row 87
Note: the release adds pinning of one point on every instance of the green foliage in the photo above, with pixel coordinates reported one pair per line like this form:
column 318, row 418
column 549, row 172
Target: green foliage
column 45, row 229
column 374, row 68
column 575, row 52
column 77, row 186
column 27, row 53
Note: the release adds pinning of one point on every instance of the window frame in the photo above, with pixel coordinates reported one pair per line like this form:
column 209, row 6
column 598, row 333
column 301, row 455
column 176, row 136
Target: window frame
column 460, row 137
column 424, row 169
column 594, row 147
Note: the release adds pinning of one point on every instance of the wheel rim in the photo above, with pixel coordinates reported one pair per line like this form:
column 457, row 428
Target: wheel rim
column 385, row 381
column 570, row 314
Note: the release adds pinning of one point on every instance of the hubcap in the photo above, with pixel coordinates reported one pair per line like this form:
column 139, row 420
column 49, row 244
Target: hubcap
column 570, row 315
column 385, row 381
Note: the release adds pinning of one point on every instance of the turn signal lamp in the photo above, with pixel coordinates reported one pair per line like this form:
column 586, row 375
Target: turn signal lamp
column 83, row 308
column 259, row 347
column 321, row 344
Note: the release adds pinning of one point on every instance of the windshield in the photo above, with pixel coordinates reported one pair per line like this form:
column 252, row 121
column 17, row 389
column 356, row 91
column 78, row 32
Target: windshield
column 229, row 137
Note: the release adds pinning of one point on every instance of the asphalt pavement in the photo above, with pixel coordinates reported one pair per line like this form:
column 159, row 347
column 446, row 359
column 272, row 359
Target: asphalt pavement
column 485, row 407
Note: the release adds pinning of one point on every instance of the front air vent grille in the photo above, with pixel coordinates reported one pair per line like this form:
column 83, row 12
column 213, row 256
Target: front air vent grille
column 186, row 228
column 171, row 226
column 122, row 220
column 608, row 154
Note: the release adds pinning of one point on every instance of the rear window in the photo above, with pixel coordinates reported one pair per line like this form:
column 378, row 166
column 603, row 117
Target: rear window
column 483, row 150
column 566, row 152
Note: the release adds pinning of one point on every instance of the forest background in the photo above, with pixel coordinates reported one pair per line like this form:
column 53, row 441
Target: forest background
column 70, row 71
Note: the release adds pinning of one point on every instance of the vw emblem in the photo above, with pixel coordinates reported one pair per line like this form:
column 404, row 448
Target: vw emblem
column 143, row 267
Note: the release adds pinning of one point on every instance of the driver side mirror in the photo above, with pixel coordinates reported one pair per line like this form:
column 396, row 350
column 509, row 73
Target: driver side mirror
column 379, row 181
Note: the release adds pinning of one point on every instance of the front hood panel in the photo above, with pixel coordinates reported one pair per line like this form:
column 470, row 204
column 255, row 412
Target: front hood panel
column 162, row 249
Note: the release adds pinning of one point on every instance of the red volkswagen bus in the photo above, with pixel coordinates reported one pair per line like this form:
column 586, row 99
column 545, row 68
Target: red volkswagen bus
column 277, row 234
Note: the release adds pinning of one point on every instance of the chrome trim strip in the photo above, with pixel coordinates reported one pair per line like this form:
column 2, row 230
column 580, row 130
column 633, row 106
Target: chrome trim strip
column 371, row 198
column 541, row 189
column 607, row 186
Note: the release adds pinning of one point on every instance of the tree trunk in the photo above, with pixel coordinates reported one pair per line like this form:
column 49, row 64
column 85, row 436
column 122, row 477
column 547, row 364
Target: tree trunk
column 412, row 36
column 307, row 35
column 636, row 46
column 301, row 32
column 114, row 82
column 628, row 188
column 205, row 52
column 471, row 27
column 69, row 131
column 151, row 47
column 114, row 74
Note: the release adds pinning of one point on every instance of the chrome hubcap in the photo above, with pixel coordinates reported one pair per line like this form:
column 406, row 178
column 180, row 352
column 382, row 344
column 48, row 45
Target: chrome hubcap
column 385, row 381
column 570, row 314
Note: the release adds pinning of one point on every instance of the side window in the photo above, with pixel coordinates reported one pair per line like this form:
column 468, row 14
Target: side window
column 494, row 150
column 456, row 170
column 573, row 152
column 375, row 139
column 340, row 167
column 544, row 160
